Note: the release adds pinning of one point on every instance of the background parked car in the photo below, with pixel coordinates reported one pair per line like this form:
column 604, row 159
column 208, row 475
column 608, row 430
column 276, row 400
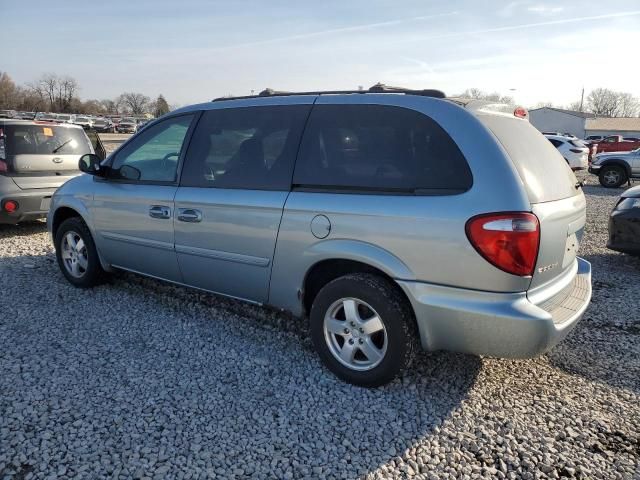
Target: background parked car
column 46, row 117
column 127, row 125
column 83, row 121
column 102, row 125
column 616, row 168
column 624, row 223
column 65, row 118
column 8, row 114
column 593, row 138
column 142, row 124
column 616, row 143
column 574, row 151
column 35, row 159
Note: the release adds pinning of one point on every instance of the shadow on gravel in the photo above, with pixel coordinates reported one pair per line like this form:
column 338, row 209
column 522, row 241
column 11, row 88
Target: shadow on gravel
column 22, row 229
column 139, row 369
column 605, row 346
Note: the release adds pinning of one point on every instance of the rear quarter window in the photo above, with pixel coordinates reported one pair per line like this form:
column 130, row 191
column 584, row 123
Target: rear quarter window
column 543, row 170
column 377, row 148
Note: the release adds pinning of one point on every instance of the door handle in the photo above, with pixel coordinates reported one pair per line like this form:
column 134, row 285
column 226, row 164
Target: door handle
column 159, row 211
column 190, row 215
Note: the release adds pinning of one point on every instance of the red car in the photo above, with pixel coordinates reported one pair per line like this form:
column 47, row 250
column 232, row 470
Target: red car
column 615, row 143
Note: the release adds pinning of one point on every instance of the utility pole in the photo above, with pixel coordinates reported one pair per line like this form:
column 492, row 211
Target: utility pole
column 582, row 100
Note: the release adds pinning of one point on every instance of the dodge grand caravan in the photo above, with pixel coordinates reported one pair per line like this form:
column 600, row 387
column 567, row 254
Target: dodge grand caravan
column 35, row 159
column 388, row 218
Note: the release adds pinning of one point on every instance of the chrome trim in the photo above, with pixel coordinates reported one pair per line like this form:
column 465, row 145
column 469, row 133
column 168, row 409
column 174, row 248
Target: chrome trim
column 220, row 255
column 144, row 242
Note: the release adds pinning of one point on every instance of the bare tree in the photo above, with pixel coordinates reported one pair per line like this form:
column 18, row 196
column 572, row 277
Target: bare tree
column 110, row 106
column 628, row 105
column 136, row 103
column 67, row 90
column 48, row 84
column 544, row 104
column 8, row 91
column 161, row 106
column 478, row 94
column 610, row 103
column 575, row 106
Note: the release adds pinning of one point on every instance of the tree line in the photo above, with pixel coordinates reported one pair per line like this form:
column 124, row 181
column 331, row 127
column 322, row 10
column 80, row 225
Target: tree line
column 60, row 94
column 602, row 102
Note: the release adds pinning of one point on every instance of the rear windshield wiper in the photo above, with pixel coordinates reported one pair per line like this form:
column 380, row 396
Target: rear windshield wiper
column 55, row 150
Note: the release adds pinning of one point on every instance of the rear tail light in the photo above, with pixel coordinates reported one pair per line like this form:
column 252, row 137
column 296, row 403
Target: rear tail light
column 3, row 167
column 509, row 241
column 10, row 206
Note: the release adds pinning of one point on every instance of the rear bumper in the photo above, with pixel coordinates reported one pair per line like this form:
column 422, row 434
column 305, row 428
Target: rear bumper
column 509, row 325
column 32, row 204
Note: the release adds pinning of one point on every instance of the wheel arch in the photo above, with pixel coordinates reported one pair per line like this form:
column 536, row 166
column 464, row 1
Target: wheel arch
column 65, row 211
column 324, row 271
column 618, row 162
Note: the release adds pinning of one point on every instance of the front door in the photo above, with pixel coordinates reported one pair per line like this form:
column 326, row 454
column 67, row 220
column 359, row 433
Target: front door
column 133, row 207
column 235, row 182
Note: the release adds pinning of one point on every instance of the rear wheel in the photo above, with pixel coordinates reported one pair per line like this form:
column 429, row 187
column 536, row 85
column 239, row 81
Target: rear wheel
column 612, row 176
column 363, row 329
column 77, row 255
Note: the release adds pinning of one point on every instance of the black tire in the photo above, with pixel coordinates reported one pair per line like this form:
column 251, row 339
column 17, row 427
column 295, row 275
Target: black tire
column 93, row 274
column 393, row 309
column 608, row 172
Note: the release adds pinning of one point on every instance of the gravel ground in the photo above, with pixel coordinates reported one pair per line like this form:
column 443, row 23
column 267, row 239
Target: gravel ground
column 137, row 379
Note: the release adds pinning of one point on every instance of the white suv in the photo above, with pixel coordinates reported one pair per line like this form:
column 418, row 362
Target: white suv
column 574, row 151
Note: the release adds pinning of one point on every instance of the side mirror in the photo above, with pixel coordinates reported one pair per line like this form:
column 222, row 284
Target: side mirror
column 90, row 163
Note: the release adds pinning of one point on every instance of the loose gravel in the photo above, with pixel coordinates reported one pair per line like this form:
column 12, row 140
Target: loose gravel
column 139, row 379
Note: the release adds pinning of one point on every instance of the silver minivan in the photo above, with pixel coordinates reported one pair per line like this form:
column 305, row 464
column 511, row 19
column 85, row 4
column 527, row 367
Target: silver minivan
column 390, row 219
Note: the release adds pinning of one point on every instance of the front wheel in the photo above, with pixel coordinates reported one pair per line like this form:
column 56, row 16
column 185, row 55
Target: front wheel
column 612, row 176
column 77, row 255
column 363, row 329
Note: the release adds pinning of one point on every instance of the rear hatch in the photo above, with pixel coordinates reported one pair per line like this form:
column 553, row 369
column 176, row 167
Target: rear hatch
column 553, row 190
column 42, row 155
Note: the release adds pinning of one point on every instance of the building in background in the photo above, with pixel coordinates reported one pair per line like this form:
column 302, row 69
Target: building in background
column 627, row 127
column 549, row 119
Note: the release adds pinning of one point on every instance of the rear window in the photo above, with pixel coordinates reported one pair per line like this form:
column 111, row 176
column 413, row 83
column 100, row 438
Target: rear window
column 544, row 172
column 44, row 140
column 376, row 148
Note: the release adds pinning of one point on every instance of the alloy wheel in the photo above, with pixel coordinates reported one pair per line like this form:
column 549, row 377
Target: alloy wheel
column 355, row 334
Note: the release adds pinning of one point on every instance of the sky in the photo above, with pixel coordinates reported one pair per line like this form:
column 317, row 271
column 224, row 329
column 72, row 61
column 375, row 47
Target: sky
column 195, row 50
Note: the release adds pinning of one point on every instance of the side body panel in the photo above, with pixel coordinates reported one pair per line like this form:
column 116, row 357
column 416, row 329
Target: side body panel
column 231, row 250
column 420, row 238
column 127, row 235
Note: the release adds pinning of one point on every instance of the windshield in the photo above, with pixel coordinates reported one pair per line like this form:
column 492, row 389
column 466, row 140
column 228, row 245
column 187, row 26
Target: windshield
column 45, row 139
column 82, row 119
column 64, row 117
column 127, row 120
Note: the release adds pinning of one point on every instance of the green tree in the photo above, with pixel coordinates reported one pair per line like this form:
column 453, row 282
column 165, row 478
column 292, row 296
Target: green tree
column 161, row 107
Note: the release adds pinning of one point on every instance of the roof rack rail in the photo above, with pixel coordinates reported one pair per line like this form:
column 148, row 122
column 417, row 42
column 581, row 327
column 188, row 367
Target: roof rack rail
column 377, row 88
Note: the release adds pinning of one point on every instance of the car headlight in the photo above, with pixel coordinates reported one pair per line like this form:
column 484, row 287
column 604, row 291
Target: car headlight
column 596, row 160
column 628, row 204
